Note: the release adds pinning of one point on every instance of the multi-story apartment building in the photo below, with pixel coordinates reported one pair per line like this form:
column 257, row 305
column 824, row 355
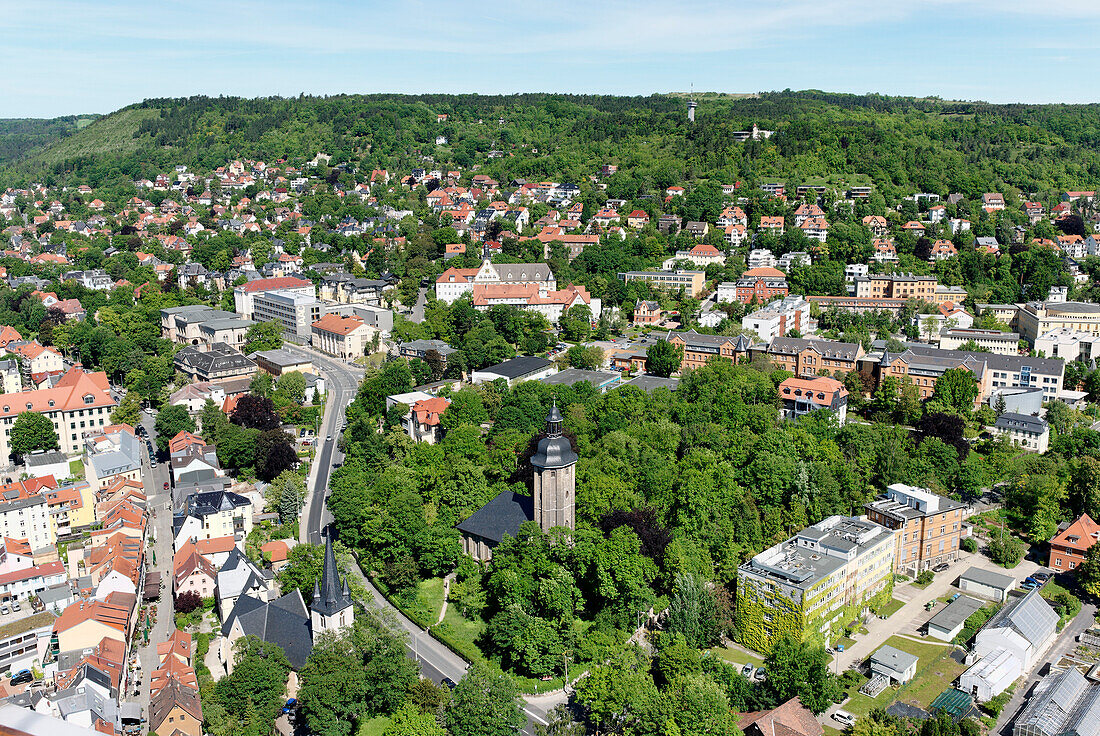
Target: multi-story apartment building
column 993, row 341
column 28, row 517
column 922, row 366
column 690, row 281
column 927, row 527
column 778, row 318
column 79, row 402
column 897, row 286
column 811, row 357
column 295, row 311
column 823, row 576
column 455, row 282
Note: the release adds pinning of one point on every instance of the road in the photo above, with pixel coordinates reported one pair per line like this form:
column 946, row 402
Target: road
column 418, row 308
column 160, row 543
column 436, row 661
column 341, row 383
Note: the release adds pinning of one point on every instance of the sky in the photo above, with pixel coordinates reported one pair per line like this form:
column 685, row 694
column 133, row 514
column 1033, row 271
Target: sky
column 64, row 57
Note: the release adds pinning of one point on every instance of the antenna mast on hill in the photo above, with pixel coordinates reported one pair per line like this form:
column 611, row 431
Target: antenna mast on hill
column 692, row 104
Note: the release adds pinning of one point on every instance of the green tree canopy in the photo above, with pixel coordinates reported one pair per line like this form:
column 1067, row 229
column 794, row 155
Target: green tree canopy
column 32, row 431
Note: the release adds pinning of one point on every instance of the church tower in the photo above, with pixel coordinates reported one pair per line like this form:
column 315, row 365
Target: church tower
column 555, row 480
column 331, row 609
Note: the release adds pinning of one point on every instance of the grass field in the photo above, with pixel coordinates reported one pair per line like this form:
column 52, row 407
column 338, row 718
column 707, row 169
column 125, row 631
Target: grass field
column 374, row 726
column 936, row 670
column 76, row 469
column 429, row 600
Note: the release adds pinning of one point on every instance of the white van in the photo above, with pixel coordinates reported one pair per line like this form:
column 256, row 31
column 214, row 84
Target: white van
column 843, row 716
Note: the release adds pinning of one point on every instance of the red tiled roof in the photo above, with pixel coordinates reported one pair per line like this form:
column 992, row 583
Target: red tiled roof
column 1083, row 532
column 283, row 282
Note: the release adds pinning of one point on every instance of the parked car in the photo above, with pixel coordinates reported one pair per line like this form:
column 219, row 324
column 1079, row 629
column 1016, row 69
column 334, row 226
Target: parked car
column 290, row 705
column 166, row 485
column 4, row 610
column 1042, row 575
column 761, row 674
column 1028, row 586
column 843, row 716
column 747, row 671
column 21, row 676
column 942, row 567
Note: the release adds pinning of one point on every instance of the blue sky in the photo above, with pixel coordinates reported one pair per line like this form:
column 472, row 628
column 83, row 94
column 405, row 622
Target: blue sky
column 62, row 57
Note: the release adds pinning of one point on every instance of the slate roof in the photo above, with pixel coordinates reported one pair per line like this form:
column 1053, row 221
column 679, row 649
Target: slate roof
column 220, row 357
column 329, row 598
column 284, row 621
column 501, row 516
column 1024, row 422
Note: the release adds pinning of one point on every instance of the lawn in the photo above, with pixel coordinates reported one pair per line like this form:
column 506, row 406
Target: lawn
column 738, row 656
column 429, row 600
column 373, row 727
column 891, row 608
column 936, row 670
column 76, row 469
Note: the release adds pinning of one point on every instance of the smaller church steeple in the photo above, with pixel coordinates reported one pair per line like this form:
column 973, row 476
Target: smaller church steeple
column 331, row 609
column 554, row 482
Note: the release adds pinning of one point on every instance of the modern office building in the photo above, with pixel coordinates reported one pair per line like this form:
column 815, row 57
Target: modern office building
column 824, row 576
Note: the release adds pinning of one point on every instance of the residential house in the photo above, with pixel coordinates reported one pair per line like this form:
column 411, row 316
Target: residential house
column 761, row 285
column 647, row 313
column 800, row 396
column 421, row 422
column 1073, row 540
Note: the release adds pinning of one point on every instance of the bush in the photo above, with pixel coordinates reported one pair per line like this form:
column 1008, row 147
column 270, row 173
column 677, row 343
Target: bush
column 1064, row 603
column 968, row 545
column 925, row 577
column 1005, row 551
column 995, row 705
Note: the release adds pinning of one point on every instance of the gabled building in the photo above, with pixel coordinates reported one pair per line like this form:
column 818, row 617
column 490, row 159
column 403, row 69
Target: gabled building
column 801, row 396
column 1069, row 545
column 78, row 402
column 1023, row 431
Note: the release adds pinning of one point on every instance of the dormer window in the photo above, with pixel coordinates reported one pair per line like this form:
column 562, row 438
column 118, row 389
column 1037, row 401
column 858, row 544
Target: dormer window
column 51, row 402
column 29, row 405
column 89, row 399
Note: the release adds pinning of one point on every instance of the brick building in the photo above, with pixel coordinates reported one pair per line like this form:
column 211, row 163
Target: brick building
column 1068, row 548
column 927, row 527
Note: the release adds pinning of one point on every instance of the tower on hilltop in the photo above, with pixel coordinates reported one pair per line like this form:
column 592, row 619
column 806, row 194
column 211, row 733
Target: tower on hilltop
column 555, row 479
column 692, row 104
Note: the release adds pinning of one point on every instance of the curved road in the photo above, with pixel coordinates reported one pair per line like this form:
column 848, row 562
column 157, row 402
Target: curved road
column 436, row 661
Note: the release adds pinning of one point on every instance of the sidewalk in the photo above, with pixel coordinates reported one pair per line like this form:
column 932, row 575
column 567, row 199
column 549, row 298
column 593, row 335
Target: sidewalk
column 911, row 617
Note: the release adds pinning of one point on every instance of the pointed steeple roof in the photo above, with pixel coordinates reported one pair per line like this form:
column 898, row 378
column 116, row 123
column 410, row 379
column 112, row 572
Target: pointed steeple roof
column 331, row 595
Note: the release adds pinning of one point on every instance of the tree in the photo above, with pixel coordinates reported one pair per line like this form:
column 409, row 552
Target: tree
column 303, row 569
column 286, row 493
column 290, row 388
column 32, row 431
column 484, row 704
column 800, row 668
column 261, row 384
column 1005, row 550
column 334, row 687
column 171, row 420
column 576, row 323
column 957, row 388
column 128, row 410
column 588, row 358
column 1088, row 572
column 263, row 336
column 663, row 358
column 255, row 412
column 411, row 721
column 188, row 601
column 692, row 612
column 254, row 692
column 274, row 454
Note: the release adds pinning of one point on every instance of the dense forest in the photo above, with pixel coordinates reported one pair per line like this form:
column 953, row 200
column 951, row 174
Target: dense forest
column 899, row 144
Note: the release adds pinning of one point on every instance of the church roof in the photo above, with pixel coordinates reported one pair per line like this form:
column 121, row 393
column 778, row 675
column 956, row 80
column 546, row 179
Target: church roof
column 501, row 516
column 554, row 450
column 329, row 598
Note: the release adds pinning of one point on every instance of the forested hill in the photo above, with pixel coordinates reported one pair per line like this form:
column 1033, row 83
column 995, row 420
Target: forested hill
column 899, row 144
column 18, row 136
